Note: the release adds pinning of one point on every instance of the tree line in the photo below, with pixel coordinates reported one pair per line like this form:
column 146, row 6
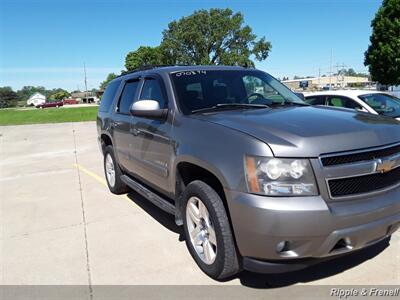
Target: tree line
column 10, row 98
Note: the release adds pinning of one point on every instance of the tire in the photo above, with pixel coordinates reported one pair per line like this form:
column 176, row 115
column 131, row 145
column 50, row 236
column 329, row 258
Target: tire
column 114, row 182
column 225, row 261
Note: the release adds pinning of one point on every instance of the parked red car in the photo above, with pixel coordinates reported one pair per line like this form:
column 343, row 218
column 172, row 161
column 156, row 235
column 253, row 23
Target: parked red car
column 50, row 104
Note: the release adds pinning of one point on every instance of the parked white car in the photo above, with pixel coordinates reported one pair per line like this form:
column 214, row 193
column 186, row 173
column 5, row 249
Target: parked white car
column 377, row 103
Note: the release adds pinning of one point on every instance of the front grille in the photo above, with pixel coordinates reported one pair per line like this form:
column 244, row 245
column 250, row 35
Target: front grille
column 363, row 184
column 360, row 156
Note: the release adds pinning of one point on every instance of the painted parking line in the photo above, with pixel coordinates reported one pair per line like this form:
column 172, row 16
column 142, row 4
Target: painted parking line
column 98, row 179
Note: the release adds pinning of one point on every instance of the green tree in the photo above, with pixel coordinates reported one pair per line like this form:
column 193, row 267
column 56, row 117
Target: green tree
column 110, row 77
column 27, row 91
column 60, row 95
column 8, row 97
column 215, row 36
column 383, row 54
column 143, row 56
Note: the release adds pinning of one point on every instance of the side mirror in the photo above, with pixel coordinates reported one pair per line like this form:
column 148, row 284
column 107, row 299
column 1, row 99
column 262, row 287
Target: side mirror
column 148, row 109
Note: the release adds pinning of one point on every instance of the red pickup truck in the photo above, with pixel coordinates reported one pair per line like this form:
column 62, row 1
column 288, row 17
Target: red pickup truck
column 50, row 104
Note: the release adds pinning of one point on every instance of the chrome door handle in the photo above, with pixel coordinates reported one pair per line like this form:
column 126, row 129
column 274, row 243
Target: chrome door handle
column 134, row 131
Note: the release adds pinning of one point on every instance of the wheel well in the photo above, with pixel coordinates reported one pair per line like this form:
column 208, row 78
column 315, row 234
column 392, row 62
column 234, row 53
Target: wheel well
column 105, row 141
column 188, row 172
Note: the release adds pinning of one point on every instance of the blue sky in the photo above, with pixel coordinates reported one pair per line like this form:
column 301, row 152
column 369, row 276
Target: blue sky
column 46, row 42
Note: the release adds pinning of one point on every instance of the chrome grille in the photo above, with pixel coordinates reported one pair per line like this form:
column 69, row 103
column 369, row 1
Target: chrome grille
column 359, row 156
column 364, row 184
column 354, row 174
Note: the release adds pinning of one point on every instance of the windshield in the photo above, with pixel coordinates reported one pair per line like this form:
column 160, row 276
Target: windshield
column 197, row 90
column 383, row 104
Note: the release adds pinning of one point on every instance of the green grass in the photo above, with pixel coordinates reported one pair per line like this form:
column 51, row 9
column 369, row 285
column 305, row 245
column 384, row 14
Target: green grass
column 47, row 115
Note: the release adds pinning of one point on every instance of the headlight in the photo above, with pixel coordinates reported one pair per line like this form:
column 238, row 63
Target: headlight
column 280, row 176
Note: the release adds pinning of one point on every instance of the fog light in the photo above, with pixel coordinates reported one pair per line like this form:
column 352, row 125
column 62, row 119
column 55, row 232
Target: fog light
column 282, row 246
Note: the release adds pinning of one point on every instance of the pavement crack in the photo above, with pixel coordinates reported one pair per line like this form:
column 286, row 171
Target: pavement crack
column 28, row 234
column 83, row 218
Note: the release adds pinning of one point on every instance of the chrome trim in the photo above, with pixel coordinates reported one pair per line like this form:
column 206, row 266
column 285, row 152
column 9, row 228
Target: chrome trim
column 359, row 168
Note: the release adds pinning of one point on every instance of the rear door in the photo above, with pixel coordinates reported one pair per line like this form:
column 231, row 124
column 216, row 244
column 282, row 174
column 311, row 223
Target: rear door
column 122, row 123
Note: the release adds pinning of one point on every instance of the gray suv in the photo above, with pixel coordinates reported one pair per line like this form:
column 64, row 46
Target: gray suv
column 259, row 179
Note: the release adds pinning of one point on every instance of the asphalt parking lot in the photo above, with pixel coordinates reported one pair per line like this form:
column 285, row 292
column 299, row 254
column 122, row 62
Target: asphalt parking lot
column 60, row 224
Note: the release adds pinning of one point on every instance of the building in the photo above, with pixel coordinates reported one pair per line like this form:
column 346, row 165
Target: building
column 395, row 91
column 36, row 99
column 89, row 97
column 329, row 82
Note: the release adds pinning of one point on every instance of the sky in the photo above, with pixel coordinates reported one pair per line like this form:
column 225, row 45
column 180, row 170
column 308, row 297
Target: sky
column 47, row 42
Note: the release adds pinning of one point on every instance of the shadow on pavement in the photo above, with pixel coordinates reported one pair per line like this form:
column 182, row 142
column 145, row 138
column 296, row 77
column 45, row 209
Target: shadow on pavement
column 165, row 219
column 265, row 281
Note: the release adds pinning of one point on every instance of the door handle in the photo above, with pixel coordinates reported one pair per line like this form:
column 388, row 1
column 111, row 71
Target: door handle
column 134, row 131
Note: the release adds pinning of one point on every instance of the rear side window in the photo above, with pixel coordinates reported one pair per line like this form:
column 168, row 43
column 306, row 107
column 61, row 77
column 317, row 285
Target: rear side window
column 339, row 101
column 316, row 100
column 127, row 97
column 108, row 96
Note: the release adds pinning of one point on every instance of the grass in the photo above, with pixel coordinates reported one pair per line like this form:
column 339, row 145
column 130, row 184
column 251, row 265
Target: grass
column 47, row 115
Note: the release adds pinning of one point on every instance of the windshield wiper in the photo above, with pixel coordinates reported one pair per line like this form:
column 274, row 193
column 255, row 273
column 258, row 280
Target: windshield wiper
column 222, row 106
column 288, row 103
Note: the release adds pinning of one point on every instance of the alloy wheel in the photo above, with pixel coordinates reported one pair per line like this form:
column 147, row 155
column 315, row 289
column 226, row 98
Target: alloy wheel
column 201, row 230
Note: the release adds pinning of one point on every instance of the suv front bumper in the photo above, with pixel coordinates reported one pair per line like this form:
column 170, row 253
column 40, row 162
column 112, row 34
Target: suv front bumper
column 309, row 227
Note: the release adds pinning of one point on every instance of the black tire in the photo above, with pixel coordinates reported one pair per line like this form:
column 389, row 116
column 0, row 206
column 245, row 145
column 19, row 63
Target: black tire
column 226, row 261
column 119, row 186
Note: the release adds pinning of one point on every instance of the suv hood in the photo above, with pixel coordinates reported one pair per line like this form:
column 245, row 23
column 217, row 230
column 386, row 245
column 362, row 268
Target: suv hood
column 310, row 131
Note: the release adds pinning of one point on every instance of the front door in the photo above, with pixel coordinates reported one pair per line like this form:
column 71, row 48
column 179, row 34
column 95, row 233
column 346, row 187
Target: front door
column 152, row 149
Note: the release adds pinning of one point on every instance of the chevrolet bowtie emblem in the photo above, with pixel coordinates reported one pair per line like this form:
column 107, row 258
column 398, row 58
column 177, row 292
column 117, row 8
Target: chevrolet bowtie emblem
column 385, row 166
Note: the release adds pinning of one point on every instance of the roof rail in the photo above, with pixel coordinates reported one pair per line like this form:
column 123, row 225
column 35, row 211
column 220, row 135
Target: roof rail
column 150, row 67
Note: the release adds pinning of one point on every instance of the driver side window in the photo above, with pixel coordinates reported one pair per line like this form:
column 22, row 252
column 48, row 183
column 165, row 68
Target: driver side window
column 258, row 90
column 152, row 91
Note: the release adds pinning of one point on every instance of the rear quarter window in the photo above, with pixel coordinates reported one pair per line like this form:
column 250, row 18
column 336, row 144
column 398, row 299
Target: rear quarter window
column 108, row 96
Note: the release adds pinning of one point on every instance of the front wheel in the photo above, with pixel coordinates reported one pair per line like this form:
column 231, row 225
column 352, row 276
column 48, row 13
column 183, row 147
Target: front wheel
column 208, row 232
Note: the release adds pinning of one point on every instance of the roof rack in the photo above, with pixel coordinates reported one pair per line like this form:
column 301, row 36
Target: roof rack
column 150, row 67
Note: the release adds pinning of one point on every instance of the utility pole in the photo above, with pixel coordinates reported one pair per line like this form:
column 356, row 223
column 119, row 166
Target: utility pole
column 330, row 71
column 319, row 77
column 338, row 69
column 86, row 90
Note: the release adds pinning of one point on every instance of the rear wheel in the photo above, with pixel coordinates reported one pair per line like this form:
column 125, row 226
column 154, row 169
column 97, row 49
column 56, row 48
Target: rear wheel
column 113, row 173
column 208, row 233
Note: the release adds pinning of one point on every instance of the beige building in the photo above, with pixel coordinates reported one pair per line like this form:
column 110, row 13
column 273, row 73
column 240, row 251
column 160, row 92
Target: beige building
column 333, row 82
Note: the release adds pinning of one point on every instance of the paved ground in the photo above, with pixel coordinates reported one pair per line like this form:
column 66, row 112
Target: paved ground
column 60, row 224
